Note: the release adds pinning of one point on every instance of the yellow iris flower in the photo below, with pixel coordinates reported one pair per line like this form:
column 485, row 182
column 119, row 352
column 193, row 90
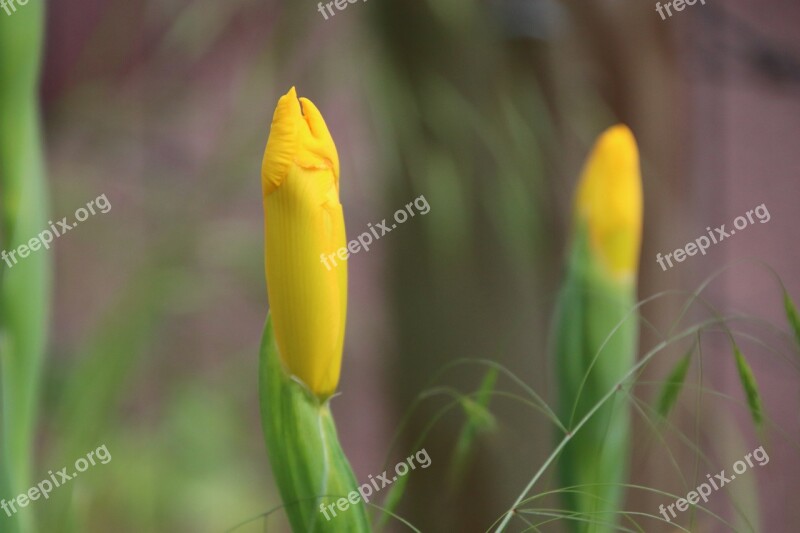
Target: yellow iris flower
column 609, row 201
column 303, row 220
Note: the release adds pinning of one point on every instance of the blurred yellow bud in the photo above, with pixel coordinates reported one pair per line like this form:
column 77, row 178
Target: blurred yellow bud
column 303, row 222
column 609, row 201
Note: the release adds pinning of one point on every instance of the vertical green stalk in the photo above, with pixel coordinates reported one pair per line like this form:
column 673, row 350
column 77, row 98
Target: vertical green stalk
column 301, row 352
column 589, row 363
column 24, row 288
column 596, row 332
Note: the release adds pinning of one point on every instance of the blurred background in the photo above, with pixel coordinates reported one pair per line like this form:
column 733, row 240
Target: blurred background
column 488, row 109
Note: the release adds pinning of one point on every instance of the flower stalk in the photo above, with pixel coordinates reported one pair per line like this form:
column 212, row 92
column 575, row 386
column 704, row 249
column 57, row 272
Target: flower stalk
column 301, row 351
column 596, row 333
column 24, row 290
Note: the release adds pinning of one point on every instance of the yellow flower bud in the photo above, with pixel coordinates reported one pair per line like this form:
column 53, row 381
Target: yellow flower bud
column 304, row 222
column 609, row 201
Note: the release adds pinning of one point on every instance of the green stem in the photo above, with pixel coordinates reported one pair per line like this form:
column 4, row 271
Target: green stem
column 609, row 394
column 24, row 285
column 313, row 475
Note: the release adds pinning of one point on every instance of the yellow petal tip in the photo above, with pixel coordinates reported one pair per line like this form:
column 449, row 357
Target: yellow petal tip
column 298, row 136
column 609, row 201
column 282, row 142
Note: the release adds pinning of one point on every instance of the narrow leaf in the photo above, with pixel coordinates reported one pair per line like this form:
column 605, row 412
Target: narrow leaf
column 791, row 314
column 750, row 387
column 479, row 418
column 392, row 500
column 24, row 289
column 674, row 385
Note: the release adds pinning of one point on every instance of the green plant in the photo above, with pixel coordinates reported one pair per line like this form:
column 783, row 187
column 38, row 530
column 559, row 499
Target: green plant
column 25, row 288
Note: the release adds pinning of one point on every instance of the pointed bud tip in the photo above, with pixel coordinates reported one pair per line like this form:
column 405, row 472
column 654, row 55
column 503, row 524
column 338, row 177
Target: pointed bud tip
column 282, row 141
column 323, row 144
column 619, row 136
column 298, row 135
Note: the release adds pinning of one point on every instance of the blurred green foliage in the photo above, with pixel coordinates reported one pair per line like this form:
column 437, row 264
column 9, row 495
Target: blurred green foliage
column 25, row 287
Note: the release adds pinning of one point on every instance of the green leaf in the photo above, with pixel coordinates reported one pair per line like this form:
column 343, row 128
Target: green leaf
column 25, row 286
column 307, row 460
column 393, row 498
column 479, row 418
column 673, row 385
column 791, row 314
column 750, row 387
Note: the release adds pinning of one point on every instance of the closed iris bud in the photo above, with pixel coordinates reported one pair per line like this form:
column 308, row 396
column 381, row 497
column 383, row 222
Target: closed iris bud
column 301, row 351
column 596, row 329
column 303, row 221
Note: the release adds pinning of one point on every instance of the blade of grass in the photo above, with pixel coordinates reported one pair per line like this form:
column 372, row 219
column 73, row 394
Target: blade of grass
column 478, row 419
